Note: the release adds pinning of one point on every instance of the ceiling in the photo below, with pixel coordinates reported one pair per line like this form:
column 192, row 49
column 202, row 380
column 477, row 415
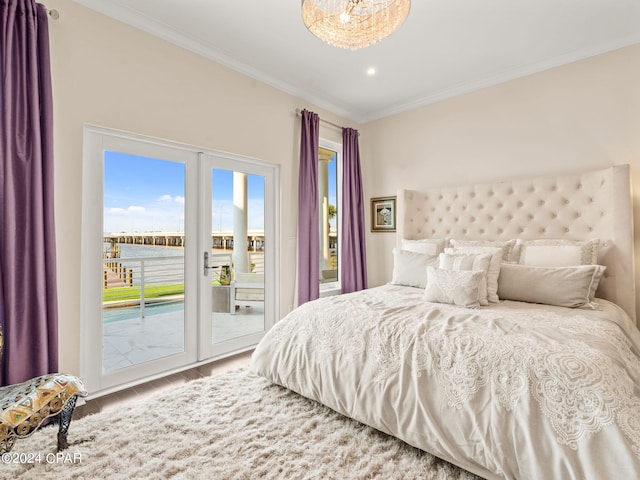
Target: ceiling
column 445, row 48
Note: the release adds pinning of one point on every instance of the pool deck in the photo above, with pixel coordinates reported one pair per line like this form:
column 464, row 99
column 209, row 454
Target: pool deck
column 137, row 340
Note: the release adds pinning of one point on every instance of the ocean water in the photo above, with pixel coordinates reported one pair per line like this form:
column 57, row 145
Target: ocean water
column 135, row 251
column 163, row 264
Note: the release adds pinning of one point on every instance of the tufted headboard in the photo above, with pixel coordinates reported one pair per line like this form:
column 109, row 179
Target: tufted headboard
column 580, row 206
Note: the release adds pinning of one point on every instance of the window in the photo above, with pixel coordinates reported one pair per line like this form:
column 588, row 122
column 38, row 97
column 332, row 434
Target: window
column 329, row 154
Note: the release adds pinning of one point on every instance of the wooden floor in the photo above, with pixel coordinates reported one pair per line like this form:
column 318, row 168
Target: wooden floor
column 154, row 387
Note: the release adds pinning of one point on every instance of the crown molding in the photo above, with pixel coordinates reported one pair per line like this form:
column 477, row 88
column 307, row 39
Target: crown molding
column 501, row 77
column 140, row 21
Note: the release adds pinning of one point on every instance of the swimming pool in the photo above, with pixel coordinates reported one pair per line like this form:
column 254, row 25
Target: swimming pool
column 116, row 314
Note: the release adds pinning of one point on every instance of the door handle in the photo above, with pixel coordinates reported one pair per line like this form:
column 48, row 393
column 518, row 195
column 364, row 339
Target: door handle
column 206, row 264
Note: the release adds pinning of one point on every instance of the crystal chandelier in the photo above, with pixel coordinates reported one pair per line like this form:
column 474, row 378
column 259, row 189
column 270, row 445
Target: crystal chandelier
column 354, row 24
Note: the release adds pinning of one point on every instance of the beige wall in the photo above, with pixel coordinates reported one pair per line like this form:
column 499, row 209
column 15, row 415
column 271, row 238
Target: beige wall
column 108, row 74
column 582, row 116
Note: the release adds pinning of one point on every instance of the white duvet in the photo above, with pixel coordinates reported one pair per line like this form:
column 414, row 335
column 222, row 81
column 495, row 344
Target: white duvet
column 515, row 390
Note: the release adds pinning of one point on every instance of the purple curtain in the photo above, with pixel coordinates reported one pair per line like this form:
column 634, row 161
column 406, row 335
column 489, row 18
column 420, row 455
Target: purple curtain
column 28, row 296
column 308, row 227
column 353, row 258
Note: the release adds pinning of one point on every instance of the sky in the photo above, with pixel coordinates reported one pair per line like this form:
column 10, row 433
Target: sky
column 148, row 195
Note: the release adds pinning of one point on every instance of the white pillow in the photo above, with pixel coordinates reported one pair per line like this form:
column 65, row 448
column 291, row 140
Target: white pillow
column 507, row 246
column 462, row 261
column 562, row 286
column 427, row 246
column 558, row 253
column 410, row 268
column 494, row 267
column 460, row 288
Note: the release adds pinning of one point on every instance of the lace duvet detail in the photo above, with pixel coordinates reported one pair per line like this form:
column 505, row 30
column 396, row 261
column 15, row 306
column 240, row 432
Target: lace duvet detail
column 579, row 389
column 559, row 362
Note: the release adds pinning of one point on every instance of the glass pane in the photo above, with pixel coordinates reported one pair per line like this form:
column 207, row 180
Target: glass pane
column 328, row 208
column 237, row 254
column 143, row 260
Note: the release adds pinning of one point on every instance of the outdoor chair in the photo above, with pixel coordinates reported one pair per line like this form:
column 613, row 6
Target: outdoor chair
column 246, row 289
column 25, row 406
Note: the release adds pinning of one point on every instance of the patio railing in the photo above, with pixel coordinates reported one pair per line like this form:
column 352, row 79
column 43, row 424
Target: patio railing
column 142, row 281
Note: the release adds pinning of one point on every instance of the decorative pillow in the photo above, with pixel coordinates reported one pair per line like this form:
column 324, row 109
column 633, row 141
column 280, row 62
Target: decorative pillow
column 507, row 246
column 561, row 286
column 494, row 266
column 427, row 246
column 410, row 268
column 558, row 253
column 460, row 288
column 461, row 261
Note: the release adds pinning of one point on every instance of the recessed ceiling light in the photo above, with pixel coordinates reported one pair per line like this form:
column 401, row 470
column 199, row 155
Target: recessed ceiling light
column 371, row 71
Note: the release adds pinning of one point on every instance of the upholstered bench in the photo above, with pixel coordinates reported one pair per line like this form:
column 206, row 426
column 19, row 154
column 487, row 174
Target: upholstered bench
column 25, row 406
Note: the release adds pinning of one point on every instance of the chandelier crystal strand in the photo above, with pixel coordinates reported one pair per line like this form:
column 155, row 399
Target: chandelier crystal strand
column 354, row 24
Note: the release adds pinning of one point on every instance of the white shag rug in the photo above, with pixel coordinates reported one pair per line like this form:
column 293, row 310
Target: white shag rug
column 232, row 426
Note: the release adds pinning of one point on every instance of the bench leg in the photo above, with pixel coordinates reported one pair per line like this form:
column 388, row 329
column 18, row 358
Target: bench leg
column 7, row 443
column 65, row 421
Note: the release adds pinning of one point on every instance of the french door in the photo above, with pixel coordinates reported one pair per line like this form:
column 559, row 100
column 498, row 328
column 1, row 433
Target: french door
column 238, row 252
column 178, row 257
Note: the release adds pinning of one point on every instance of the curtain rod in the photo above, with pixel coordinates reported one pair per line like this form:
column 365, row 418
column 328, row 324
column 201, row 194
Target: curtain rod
column 299, row 113
column 53, row 13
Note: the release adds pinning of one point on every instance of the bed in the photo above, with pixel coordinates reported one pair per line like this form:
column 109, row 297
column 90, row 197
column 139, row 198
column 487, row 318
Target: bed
column 542, row 383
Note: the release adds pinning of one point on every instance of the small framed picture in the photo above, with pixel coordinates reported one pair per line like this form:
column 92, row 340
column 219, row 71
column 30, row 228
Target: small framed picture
column 383, row 214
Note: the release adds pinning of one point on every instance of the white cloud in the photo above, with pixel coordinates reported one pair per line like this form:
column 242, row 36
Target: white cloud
column 166, row 213
column 169, row 199
column 123, row 211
